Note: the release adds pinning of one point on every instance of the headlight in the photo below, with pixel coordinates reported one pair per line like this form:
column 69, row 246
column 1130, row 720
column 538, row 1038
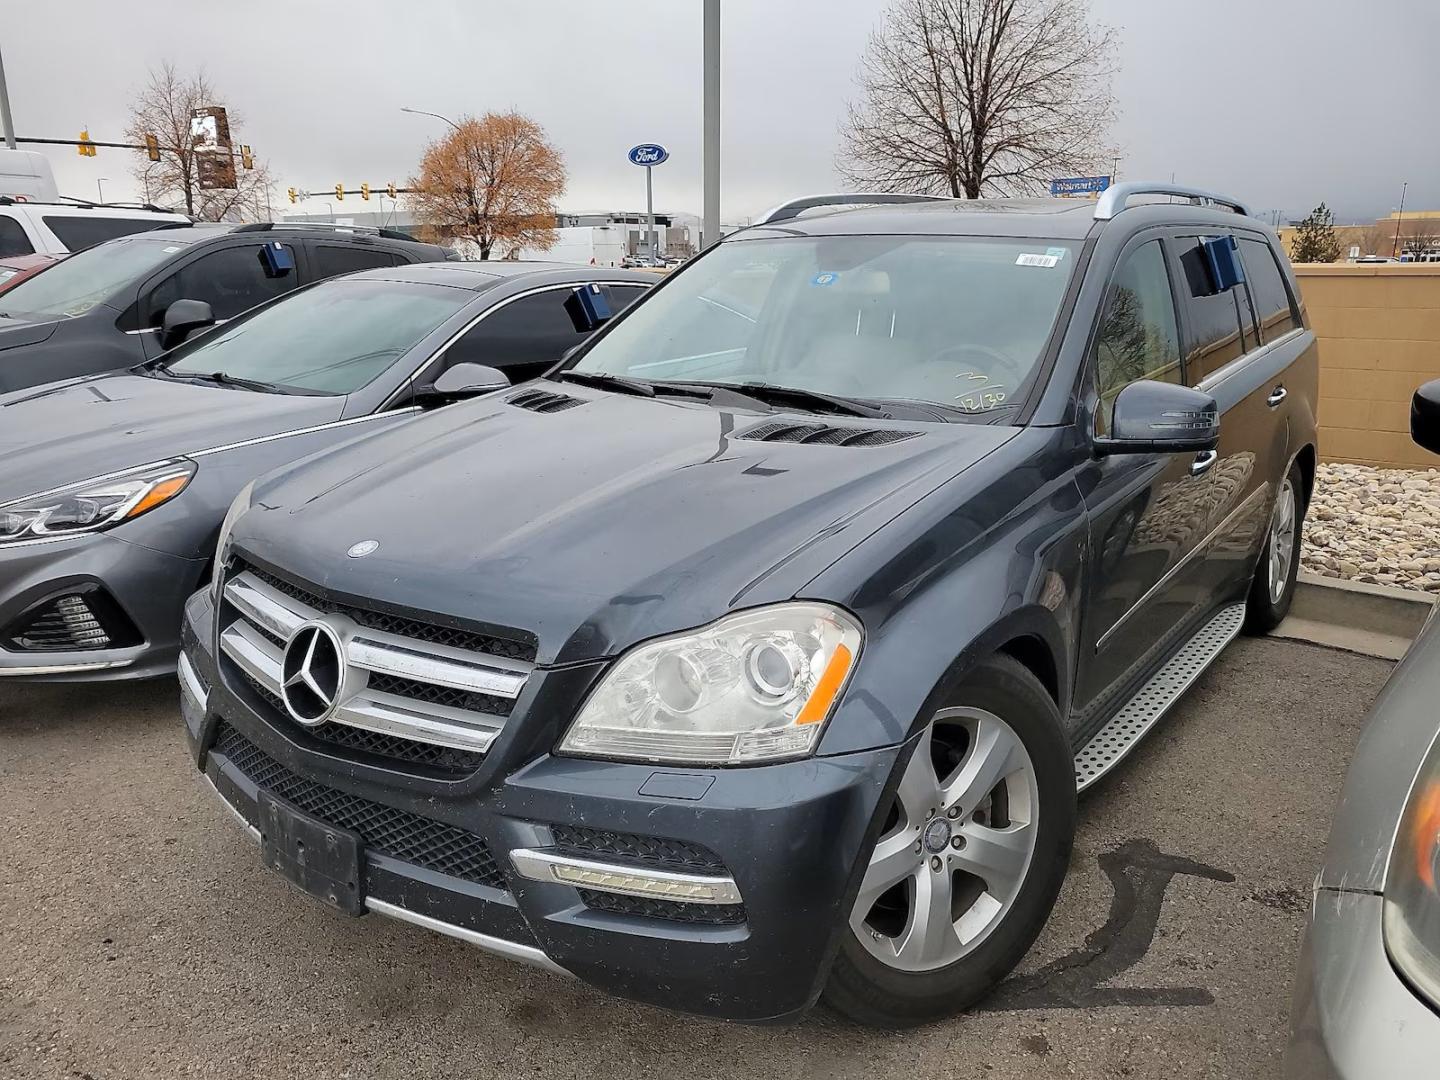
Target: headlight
column 95, row 504
column 1412, row 884
column 222, row 549
column 754, row 686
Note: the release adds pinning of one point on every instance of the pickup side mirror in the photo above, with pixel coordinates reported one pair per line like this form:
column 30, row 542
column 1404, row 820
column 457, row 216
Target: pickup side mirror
column 1161, row 418
column 183, row 318
column 463, row 381
column 1425, row 416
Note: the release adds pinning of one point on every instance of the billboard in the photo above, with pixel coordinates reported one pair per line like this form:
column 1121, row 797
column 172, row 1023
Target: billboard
column 210, row 139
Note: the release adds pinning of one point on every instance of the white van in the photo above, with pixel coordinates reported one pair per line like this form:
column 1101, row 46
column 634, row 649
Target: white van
column 34, row 220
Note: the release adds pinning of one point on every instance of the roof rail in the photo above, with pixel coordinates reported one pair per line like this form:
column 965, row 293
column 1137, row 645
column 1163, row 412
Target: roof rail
column 330, row 226
column 83, row 204
column 792, row 209
column 1112, row 199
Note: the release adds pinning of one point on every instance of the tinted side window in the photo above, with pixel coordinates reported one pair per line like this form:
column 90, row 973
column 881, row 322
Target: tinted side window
column 522, row 339
column 78, row 233
column 13, row 240
column 1138, row 338
column 331, row 259
column 622, row 296
column 1215, row 334
column 1267, row 287
column 230, row 280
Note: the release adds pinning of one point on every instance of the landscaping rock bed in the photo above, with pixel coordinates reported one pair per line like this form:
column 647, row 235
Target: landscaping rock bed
column 1375, row 525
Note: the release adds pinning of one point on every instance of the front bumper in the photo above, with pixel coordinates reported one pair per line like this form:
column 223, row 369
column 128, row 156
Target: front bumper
column 785, row 837
column 1353, row 1017
column 148, row 586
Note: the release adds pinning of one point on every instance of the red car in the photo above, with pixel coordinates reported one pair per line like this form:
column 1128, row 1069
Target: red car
column 16, row 268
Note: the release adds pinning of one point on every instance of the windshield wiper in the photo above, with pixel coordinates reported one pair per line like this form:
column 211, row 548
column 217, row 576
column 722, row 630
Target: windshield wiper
column 618, row 383
column 224, row 379
column 808, row 400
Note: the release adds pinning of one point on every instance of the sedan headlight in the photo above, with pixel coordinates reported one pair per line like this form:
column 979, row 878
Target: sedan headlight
column 754, row 686
column 95, row 504
column 1412, row 884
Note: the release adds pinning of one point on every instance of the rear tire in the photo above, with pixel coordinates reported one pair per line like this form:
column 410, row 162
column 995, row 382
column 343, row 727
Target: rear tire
column 1273, row 587
column 978, row 837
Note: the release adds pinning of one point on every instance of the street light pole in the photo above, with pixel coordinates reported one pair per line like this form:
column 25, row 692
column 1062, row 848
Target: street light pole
column 436, row 115
column 5, row 121
column 711, row 226
column 1399, row 214
column 99, row 181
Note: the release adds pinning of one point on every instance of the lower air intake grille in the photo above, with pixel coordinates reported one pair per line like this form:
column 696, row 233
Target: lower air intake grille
column 650, row 850
column 672, row 910
column 85, row 619
column 385, row 830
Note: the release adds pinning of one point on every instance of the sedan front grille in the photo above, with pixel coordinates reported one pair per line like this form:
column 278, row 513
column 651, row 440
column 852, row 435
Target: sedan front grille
column 425, row 696
column 383, row 829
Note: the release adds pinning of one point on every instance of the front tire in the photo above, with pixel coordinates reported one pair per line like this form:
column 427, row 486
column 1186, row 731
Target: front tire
column 1273, row 587
column 969, row 860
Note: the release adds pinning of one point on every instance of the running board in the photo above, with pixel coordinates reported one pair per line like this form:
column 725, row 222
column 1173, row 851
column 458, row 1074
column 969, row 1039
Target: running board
column 1137, row 716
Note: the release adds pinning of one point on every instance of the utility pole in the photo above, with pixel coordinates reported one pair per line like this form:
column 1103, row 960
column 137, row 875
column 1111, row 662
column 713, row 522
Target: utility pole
column 712, row 122
column 5, row 121
column 1399, row 214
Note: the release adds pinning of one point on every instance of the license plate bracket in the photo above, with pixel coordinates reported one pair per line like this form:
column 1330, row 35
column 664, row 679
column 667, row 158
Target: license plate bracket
column 313, row 855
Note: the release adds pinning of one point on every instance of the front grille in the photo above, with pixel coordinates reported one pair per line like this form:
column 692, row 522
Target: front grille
column 83, row 620
column 670, row 910
column 439, row 695
column 411, row 751
column 651, row 850
column 383, row 829
column 519, row 648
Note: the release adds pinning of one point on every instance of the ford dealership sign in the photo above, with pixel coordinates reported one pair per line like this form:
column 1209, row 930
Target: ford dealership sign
column 649, row 154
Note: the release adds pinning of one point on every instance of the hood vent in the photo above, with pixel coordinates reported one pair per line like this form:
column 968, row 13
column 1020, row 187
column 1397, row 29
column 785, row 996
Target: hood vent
column 785, row 431
column 543, row 401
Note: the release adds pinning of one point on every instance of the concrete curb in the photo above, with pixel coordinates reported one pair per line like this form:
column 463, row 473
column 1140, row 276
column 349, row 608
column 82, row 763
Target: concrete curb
column 1376, row 620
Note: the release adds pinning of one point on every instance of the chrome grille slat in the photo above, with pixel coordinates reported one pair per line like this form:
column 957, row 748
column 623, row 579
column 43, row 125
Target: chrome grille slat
column 266, row 615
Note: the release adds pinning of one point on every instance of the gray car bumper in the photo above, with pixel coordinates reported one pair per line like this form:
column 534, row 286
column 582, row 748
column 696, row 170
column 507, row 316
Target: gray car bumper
column 148, row 586
column 1353, row 1016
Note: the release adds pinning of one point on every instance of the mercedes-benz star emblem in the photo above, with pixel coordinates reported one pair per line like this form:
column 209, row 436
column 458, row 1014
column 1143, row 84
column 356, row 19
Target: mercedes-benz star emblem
column 363, row 548
column 311, row 674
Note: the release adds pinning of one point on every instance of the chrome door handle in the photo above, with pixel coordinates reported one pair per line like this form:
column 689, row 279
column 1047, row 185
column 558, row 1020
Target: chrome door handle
column 1276, row 396
column 1201, row 465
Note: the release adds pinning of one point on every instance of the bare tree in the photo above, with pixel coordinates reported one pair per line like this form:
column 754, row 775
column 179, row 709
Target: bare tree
column 492, row 181
column 973, row 98
column 163, row 108
column 1419, row 235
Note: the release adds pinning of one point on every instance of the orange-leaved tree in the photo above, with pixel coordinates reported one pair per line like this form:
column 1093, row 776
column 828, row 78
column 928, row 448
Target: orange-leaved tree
column 494, row 181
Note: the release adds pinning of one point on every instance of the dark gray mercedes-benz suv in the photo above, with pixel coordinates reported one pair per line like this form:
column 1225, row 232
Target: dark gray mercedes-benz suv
column 758, row 652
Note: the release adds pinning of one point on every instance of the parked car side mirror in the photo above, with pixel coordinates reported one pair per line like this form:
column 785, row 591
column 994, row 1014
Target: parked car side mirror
column 463, row 381
column 1425, row 416
column 183, row 318
column 1161, row 418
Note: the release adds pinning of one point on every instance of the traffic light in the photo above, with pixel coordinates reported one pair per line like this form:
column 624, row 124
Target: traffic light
column 152, row 147
column 365, row 192
column 340, row 192
column 246, row 159
column 86, row 147
column 391, row 189
column 292, row 193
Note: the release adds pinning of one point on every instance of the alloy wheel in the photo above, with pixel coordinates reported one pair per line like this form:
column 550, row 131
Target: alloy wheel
column 1283, row 527
column 956, row 847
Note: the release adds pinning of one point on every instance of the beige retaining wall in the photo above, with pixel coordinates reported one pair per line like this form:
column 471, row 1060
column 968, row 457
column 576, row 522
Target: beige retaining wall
column 1379, row 331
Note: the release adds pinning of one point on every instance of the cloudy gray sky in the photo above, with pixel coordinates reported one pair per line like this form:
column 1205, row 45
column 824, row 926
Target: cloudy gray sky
column 1282, row 102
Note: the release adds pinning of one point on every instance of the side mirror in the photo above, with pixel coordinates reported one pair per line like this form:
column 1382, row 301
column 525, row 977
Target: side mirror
column 463, row 381
column 1425, row 416
column 183, row 318
column 1161, row 418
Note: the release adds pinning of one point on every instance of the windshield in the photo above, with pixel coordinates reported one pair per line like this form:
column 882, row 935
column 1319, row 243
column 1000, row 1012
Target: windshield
column 333, row 338
column 91, row 277
column 958, row 321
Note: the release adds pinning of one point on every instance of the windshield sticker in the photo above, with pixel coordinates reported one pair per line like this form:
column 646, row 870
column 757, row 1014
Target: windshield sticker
column 1059, row 253
column 829, row 277
column 1037, row 260
column 171, row 250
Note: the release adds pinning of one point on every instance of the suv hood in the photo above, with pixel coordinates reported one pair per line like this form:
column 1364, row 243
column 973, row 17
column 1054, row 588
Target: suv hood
column 87, row 427
column 21, row 329
column 593, row 527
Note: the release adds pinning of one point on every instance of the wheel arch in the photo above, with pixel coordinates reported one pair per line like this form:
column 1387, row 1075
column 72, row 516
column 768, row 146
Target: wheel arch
column 1306, row 458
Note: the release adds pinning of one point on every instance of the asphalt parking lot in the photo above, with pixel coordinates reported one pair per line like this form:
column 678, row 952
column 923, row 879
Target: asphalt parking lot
column 139, row 936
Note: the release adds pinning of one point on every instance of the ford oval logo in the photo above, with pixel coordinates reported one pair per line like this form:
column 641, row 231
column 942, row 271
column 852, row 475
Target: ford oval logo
column 363, row 548
column 649, row 154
